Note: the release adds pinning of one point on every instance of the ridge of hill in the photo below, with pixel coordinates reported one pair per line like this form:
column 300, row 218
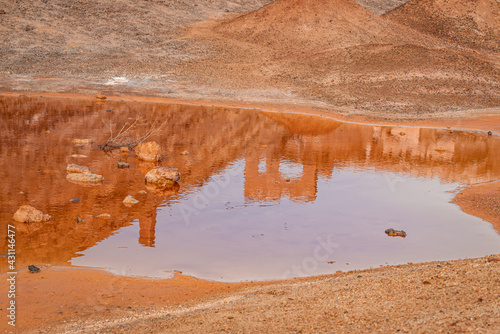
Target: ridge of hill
column 471, row 23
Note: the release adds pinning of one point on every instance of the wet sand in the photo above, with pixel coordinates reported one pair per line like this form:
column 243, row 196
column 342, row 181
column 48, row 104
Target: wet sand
column 447, row 296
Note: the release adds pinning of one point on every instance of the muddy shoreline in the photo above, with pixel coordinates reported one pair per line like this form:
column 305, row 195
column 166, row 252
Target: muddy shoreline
column 448, row 296
column 472, row 120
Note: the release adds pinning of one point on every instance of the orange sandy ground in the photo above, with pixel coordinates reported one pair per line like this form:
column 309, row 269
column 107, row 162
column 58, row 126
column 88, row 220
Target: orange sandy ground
column 58, row 295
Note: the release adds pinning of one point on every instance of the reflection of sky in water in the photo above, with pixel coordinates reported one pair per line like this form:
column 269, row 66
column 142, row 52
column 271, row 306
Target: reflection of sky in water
column 290, row 169
column 214, row 233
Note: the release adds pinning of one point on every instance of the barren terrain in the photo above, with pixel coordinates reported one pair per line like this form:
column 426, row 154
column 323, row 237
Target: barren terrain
column 334, row 55
column 427, row 62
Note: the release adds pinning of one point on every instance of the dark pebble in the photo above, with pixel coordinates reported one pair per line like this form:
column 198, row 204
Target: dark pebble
column 33, row 269
column 75, row 200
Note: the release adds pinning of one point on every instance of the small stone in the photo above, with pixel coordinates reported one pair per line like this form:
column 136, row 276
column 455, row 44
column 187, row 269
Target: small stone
column 123, row 165
column 149, row 151
column 490, row 133
column 100, row 96
column 33, row 269
column 402, row 133
column 28, row 214
column 124, row 149
column 184, row 153
column 2, row 12
column 79, row 220
column 426, row 282
column 72, row 168
column 129, row 201
column 142, row 192
column 75, row 200
column 80, row 177
column 494, row 259
column 82, row 141
column 78, row 156
column 395, row 233
column 104, row 216
column 163, row 176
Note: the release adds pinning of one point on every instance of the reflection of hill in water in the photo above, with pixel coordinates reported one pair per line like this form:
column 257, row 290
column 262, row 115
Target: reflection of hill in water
column 284, row 155
column 453, row 156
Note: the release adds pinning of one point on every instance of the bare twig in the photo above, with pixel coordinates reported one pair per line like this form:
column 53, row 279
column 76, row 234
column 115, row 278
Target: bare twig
column 123, row 137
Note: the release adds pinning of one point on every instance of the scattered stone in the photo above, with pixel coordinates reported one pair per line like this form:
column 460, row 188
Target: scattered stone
column 80, row 177
column 82, row 141
column 490, row 133
column 149, row 151
column 72, row 168
column 28, row 214
column 79, row 220
column 78, row 156
column 75, row 200
column 494, row 259
column 129, row 201
column 33, row 269
column 142, row 192
column 100, row 96
column 184, row 153
column 110, row 110
column 163, row 176
column 426, row 282
column 402, row 133
column 123, row 165
column 395, row 233
column 104, row 216
column 2, row 12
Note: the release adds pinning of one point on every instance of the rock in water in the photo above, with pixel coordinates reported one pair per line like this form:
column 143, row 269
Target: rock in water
column 72, row 168
column 28, row 214
column 75, row 200
column 80, row 177
column 163, row 176
column 129, row 201
column 395, row 233
column 149, row 151
column 82, row 141
column 33, row 269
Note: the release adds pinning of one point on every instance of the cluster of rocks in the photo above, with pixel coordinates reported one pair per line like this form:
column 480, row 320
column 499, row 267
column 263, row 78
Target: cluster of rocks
column 159, row 177
column 78, row 173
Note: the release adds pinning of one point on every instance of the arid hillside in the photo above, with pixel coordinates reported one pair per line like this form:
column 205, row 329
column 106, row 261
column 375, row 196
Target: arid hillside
column 471, row 23
column 424, row 59
column 317, row 26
